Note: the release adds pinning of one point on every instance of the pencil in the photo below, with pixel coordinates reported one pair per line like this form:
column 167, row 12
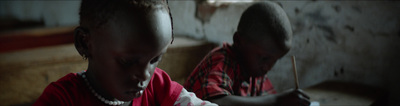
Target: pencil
column 295, row 72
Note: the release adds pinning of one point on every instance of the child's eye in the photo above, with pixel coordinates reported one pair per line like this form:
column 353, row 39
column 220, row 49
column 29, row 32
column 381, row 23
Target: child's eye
column 265, row 58
column 125, row 62
column 155, row 60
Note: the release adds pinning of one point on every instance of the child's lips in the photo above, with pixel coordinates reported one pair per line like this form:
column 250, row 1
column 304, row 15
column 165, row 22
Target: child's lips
column 138, row 94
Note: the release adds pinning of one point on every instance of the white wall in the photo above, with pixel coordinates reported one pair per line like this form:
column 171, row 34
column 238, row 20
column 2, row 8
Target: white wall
column 53, row 13
column 359, row 37
column 355, row 41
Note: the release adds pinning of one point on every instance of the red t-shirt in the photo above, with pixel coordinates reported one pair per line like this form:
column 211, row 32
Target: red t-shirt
column 71, row 90
column 219, row 74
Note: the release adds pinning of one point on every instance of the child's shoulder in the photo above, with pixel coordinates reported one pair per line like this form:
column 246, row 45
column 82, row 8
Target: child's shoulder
column 226, row 48
column 161, row 78
column 159, row 71
column 62, row 91
column 162, row 86
column 160, row 74
column 70, row 81
column 221, row 54
column 68, row 77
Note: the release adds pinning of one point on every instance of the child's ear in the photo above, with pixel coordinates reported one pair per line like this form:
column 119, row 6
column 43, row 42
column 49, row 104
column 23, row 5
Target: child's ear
column 236, row 38
column 81, row 37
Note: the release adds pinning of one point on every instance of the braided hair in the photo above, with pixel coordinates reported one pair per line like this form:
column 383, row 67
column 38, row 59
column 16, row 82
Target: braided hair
column 94, row 14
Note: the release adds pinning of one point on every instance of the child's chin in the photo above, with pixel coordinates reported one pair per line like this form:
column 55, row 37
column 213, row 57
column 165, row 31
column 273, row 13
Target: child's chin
column 127, row 98
column 130, row 96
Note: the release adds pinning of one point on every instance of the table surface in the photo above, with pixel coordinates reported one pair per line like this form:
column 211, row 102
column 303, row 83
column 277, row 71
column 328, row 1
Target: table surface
column 344, row 93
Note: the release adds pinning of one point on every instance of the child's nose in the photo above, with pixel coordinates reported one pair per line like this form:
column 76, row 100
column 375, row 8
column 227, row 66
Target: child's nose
column 141, row 74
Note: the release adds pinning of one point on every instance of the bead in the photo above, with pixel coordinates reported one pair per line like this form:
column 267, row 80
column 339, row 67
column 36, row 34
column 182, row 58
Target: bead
column 116, row 102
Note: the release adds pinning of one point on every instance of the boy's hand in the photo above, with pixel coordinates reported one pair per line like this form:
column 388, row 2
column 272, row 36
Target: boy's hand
column 293, row 97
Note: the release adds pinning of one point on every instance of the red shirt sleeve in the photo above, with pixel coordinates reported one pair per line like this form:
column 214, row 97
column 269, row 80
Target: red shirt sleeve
column 50, row 96
column 217, row 83
column 210, row 77
column 56, row 93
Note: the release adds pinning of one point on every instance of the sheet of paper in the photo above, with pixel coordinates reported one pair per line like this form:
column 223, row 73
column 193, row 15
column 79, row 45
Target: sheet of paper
column 314, row 103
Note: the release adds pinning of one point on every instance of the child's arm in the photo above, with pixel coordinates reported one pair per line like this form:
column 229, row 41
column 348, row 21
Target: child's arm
column 288, row 98
column 190, row 99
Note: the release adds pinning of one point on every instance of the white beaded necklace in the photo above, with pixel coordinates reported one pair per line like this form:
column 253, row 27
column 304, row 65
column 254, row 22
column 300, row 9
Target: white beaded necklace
column 115, row 102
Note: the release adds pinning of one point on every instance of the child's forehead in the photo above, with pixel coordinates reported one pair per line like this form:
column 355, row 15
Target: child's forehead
column 152, row 27
column 138, row 19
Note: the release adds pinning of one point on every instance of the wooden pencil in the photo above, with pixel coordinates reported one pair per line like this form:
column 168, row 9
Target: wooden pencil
column 295, row 72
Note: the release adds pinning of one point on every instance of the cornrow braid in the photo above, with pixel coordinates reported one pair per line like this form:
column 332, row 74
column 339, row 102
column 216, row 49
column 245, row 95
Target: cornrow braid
column 149, row 3
column 172, row 22
column 95, row 13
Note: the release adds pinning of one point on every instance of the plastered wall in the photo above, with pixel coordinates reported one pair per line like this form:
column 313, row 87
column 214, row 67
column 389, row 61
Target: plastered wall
column 354, row 41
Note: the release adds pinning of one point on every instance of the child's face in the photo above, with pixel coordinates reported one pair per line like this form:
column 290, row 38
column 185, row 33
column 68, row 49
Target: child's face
column 125, row 53
column 257, row 58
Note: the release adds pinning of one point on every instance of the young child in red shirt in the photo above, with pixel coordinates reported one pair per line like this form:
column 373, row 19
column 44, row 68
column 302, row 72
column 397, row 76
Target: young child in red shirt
column 237, row 74
column 123, row 42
